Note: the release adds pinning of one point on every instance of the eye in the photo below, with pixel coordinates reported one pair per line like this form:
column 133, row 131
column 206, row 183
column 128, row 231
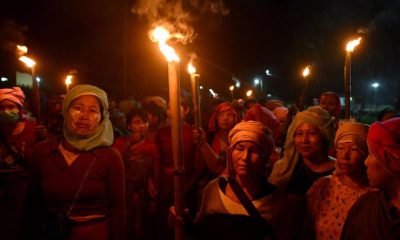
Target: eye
column 339, row 148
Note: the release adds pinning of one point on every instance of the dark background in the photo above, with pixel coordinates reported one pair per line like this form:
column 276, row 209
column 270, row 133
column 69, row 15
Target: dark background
column 108, row 45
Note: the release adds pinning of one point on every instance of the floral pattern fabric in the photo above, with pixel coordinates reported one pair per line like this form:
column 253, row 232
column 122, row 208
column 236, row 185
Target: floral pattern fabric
column 329, row 202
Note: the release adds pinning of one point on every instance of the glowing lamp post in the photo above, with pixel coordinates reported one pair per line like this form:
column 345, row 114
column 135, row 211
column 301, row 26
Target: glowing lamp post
column 30, row 63
column 161, row 36
column 347, row 75
column 375, row 85
column 194, row 79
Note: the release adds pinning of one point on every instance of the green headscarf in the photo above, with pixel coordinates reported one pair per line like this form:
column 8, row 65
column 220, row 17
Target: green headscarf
column 104, row 135
column 284, row 167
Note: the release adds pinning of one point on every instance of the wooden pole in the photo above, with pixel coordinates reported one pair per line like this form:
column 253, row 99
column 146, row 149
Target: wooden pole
column 177, row 149
column 347, row 85
column 36, row 97
column 196, row 99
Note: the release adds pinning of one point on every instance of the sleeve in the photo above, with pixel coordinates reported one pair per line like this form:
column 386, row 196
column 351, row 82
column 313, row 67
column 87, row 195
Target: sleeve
column 116, row 195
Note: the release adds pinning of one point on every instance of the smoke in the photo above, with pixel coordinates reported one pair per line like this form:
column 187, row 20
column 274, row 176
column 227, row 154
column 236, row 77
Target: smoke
column 177, row 15
column 11, row 35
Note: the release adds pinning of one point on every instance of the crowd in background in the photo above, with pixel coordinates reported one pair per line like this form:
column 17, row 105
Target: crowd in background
column 253, row 170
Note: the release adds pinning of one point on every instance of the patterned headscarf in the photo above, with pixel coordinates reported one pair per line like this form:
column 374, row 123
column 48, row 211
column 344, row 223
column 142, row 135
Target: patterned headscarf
column 14, row 94
column 384, row 142
column 250, row 131
column 103, row 135
column 284, row 167
column 263, row 115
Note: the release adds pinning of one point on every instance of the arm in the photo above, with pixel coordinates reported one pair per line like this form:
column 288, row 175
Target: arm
column 211, row 159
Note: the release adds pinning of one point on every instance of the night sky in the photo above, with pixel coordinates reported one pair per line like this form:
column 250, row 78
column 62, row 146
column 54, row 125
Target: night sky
column 105, row 42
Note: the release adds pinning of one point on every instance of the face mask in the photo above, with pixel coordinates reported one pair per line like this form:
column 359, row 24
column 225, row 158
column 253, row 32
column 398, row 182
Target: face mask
column 9, row 116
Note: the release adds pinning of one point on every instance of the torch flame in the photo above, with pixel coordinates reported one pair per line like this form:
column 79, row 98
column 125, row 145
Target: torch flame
column 191, row 69
column 232, row 88
column 249, row 93
column 352, row 44
column 306, row 71
column 161, row 35
column 68, row 79
column 28, row 62
column 22, row 50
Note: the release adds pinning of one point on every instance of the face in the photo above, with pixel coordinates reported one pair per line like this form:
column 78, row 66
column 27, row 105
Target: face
column 308, row 140
column 379, row 175
column 7, row 105
column 83, row 116
column 138, row 127
column 226, row 120
column 247, row 159
column 329, row 103
column 349, row 159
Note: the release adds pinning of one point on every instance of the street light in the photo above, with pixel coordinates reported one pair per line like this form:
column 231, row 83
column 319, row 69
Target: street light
column 30, row 63
column 347, row 75
column 68, row 81
column 375, row 85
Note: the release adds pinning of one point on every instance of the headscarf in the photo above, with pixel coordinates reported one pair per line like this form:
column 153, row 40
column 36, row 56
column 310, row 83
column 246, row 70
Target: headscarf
column 384, row 142
column 284, row 167
column 14, row 94
column 103, row 135
column 354, row 132
column 225, row 106
column 250, row 131
column 337, row 97
column 265, row 116
column 281, row 113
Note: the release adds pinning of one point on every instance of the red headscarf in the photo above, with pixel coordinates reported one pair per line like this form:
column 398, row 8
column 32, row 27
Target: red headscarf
column 263, row 115
column 384, row 143
column 223, row 107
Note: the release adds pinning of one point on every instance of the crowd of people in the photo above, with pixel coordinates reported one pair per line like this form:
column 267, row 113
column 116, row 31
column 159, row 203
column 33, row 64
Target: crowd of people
column 95, row 168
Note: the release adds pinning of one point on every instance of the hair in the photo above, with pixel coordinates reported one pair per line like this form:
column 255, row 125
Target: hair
column 136, row 112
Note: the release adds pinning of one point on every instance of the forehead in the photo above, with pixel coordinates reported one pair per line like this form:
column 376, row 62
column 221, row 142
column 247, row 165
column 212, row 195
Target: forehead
column 329, row 98
column 87, row 100
column 307, row 126
column 8, row 103
column 137, row 118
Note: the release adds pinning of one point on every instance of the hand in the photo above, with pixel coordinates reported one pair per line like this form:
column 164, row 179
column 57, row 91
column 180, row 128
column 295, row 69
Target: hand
column 199, row 136
column 174, row 220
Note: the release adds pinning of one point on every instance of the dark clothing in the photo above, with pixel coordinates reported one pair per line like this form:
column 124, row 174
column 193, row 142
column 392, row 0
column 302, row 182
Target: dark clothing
column 303, row 177
column 372, row 217
column 102, row 194
column 15, row 157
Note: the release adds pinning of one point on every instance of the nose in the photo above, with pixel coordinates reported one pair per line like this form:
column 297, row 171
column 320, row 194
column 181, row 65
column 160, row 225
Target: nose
column 305, row 138
column 346, row 154
column 245, row 155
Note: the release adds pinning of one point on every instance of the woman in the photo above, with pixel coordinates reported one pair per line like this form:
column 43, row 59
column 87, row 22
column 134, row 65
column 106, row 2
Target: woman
column 214, row 145
column 18, row 137
column 376, row 215
column 331, row 197
column 140, row 155
column 223, row 213
column 306, row 152
column 81, row 176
